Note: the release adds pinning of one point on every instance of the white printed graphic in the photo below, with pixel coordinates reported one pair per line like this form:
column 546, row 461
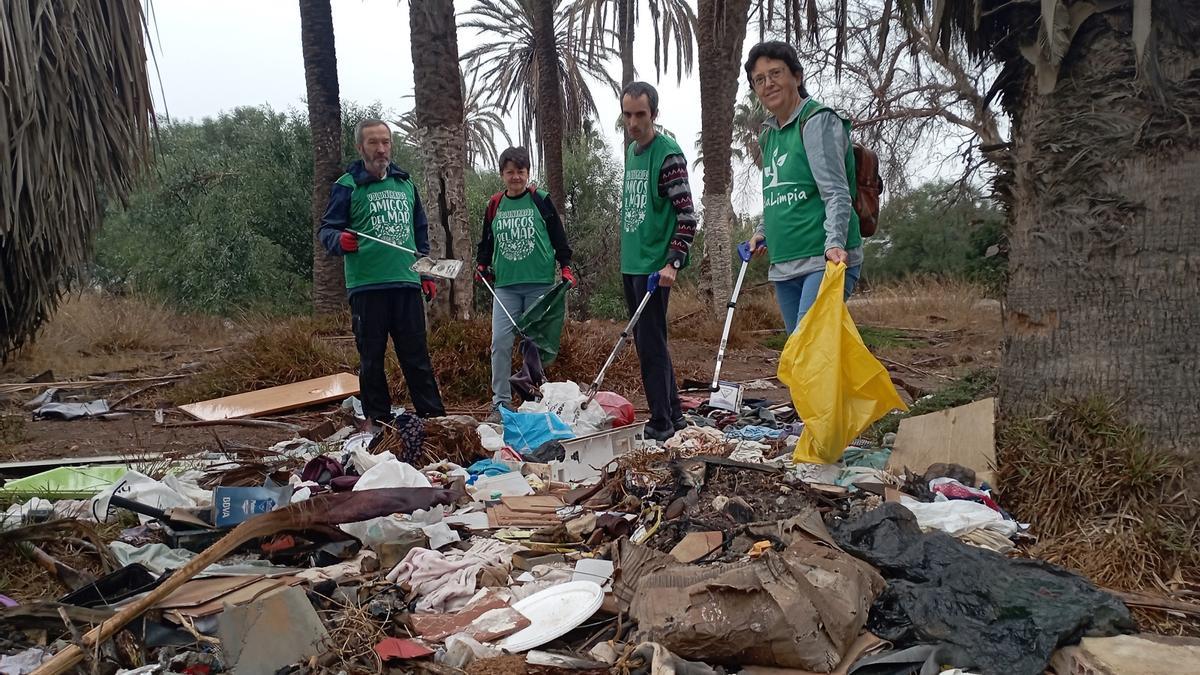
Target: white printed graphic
column 637, row 182
column 391, row 216
column 515, row 233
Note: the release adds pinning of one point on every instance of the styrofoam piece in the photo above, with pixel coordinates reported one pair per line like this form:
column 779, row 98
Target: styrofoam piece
column 586, row 455
column 553, row 613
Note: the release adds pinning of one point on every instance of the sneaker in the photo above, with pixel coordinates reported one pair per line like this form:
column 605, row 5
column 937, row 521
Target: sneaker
column 496, row 417
column 660, row 435
column 680, row 424
column 823, row 474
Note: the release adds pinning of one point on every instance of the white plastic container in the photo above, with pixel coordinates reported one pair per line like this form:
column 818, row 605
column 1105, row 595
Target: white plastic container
column 587, row 455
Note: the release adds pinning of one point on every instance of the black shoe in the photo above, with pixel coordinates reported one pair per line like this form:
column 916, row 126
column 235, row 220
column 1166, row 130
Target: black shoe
column 660, row 435
column 680, row 424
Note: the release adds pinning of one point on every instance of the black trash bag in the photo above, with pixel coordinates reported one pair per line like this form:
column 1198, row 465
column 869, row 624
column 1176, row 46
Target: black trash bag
column 550, row 451
column 528, row 380
column 995, row 615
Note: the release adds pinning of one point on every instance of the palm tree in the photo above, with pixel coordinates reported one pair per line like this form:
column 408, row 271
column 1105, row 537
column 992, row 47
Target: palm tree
column 482, row 121
column 508, row 65
column 325, row 122
column 674, row 25
column 438, row 88
column 550, row 100
column 721, row 27
column 75, row 114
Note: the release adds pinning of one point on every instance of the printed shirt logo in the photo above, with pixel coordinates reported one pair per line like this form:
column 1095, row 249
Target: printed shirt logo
column 634, row 196
column 515, row 233
column 391, row 216
column 771, row 181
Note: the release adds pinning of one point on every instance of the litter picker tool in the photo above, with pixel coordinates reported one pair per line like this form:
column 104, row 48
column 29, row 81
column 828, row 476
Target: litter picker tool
column 501, row 303
column 728, row 395
column 444, row 269
column 626, row 336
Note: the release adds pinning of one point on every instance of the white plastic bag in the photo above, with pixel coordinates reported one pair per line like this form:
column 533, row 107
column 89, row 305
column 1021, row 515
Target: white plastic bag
column 564, row 399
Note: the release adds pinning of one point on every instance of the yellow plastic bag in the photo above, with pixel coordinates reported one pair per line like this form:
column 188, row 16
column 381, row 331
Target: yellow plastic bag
column 837, row 386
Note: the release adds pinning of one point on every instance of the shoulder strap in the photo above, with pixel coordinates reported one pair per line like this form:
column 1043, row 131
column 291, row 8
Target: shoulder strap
column 493, row 204
column 537, row 200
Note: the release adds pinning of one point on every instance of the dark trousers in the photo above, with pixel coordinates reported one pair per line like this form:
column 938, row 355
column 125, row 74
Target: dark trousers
column 650, row 338
column 396, row 312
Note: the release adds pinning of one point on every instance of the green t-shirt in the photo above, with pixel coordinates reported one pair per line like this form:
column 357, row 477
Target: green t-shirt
column 382, row 209
column 793, row 211
column 647, row 218
column 522, row 253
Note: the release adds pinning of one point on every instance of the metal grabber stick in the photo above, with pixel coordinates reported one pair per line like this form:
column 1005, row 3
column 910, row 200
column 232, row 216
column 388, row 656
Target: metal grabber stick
column 743, row 250
column 626, row 336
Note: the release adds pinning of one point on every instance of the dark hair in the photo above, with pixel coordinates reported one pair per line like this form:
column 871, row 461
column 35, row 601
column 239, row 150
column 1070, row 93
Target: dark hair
column 780, row 51
column 639, row 89
column 517, row 155
column 367, row 124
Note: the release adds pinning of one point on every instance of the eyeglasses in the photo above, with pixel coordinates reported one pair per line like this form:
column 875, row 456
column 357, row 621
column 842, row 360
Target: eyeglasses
column 776, row 75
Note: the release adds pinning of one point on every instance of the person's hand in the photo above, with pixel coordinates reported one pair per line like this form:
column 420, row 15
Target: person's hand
column 483, row 272
column 348, row 242
column 666, row 276
column 837, row 255
column 569, row 277
column 756, row 244
column 429, row 288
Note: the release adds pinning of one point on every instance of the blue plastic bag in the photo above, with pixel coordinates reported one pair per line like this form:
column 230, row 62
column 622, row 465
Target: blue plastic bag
column 523, row 431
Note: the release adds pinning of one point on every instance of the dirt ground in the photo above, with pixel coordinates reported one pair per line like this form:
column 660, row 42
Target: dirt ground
column 926, row 341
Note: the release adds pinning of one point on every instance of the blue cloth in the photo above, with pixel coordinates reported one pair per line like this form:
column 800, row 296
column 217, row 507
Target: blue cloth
column 796, row 296
column 752, row 433
column 488, row 467
column 523, row 430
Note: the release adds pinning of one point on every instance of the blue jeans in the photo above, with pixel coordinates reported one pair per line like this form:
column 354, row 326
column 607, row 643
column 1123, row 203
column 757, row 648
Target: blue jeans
column 796, row 295
column 516, row 298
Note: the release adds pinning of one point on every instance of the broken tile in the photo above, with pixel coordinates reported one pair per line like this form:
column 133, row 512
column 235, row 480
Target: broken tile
column 396, row 648
column 696, row 545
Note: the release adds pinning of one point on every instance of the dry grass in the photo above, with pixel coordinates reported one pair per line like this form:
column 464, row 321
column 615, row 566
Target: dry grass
column 926, row 304
column 99, row 333
column 692, row 319
column 1102, row 500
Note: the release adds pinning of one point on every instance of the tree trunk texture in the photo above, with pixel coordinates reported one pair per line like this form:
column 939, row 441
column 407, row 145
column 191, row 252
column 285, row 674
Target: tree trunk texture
column 325, row 121
column 549, row 98
column 1104, row 289
column 439, row 105
column 720, row 31
column 626, row 31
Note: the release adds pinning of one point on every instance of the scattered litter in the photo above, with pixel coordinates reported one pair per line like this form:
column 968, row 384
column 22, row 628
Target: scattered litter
column 395, row 648
column 71, row 411
column 697, row 545
column 65, row 482
column 553, row 613
column 270, row 633
column 964, row 435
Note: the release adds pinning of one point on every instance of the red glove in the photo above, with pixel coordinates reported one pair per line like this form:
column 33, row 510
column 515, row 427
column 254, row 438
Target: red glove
column 348, row 242
column 484, row 272
column 569, row 277
column 429, row 288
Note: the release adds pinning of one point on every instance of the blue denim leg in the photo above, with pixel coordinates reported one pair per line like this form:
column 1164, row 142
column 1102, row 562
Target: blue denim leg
column 516, row 299
column 796, row 296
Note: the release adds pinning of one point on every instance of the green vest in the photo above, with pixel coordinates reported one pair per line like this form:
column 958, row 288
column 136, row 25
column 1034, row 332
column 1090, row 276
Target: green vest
column 383, row 209
column 522, row 253
column 647, row 218
column 793, row 211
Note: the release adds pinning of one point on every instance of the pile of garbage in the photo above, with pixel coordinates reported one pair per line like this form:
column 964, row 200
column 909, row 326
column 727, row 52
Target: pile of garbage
column 559, row 540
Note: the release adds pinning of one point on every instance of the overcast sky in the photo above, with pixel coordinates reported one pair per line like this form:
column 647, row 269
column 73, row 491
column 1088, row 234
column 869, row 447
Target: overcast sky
column 215, row 55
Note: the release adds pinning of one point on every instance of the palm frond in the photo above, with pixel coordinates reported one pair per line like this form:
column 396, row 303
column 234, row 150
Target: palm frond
column 75, row 115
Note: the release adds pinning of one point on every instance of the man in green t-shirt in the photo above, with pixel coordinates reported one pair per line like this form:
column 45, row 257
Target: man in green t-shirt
column 657, row 227
column 808, row 184
column 522, row 240
column 378, row 198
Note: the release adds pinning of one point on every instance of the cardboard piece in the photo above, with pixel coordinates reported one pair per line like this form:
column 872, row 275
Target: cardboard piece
column 696, row 545
column 866, row 644
column 275, row 631
column 396, row 648
column 802, row 608
column 275, row 399
column 486, row 619
column 534, row 503
column 237, row 598
column 964, row 435
column 199, row 591
column 502, row 516
column 527, row 560
column 594, row 570
column 1128, row 655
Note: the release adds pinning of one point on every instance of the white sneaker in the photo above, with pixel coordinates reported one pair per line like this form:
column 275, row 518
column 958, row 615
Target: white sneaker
column 824, row 474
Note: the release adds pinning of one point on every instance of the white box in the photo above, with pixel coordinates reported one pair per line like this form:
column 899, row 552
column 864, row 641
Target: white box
column 587, row 455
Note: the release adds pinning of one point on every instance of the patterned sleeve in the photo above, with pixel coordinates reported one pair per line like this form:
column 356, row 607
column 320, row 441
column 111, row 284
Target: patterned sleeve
column 673, row 184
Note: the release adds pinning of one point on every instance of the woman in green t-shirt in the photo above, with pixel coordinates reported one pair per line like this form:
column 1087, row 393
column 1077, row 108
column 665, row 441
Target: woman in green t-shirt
column 522, row 240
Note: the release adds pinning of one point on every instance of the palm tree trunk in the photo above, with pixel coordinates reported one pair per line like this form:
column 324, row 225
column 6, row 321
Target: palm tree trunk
column 720, row 31
column 549, row 96
column 1104, row 211
column 325, row 121
column 439, row 105
column 626, row 27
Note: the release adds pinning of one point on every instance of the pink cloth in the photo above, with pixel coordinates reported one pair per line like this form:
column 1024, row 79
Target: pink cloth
column 446, row 582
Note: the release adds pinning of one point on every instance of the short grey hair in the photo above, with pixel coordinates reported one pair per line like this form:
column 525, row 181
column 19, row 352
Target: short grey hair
column 640, row 89
column 367, row 124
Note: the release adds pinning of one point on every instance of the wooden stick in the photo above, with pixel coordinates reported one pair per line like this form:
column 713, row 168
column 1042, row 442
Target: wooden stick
column 81, row 384
column 1148, row 601
column 265, row 424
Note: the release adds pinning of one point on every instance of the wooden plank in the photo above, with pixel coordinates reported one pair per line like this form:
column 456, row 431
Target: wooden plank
column 275, row 399
column 964, row 435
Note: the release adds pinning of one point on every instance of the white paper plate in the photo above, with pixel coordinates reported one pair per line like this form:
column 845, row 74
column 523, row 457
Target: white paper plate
column 553, row 613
